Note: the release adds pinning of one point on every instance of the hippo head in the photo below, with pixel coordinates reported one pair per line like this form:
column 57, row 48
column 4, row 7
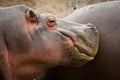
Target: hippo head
column 36, row 41
column 64, row 42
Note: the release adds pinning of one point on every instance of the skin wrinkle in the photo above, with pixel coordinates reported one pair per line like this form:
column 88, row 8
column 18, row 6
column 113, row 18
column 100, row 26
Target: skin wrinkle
column 5, row 58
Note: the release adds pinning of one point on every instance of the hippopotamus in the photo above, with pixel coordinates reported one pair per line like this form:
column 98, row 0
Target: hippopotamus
column 106, row 65
column 31, row 42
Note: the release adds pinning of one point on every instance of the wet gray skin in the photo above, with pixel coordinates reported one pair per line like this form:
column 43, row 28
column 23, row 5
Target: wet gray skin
column 31, row 42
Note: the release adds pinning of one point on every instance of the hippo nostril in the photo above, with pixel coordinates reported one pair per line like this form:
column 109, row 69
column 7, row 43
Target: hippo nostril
column 93, row 28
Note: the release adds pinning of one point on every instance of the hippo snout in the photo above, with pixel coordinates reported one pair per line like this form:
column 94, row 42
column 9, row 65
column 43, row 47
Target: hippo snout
column 85, row 41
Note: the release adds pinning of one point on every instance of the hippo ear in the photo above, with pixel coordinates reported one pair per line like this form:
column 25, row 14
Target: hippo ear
column 31, row 16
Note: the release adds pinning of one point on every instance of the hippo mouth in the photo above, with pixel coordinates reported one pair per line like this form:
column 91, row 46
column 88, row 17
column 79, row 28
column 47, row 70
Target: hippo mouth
column 77, row 50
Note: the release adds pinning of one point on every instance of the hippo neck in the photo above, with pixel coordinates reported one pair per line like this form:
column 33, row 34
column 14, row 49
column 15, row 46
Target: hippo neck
column 24, row 68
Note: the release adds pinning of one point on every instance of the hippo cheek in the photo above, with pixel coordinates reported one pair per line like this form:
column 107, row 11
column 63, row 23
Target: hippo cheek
column 81, row 43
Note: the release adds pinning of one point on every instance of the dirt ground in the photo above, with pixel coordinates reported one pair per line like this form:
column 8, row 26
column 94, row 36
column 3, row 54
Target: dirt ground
column 59, row 8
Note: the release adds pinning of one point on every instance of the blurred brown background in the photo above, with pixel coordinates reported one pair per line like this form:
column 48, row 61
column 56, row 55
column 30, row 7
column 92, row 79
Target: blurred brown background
column 60, row 8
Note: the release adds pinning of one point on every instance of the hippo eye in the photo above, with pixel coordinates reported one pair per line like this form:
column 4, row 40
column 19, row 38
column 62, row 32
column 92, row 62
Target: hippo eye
column 51, row 22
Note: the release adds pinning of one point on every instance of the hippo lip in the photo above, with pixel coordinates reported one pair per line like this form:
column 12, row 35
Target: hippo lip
column 81, row 50
column 82, row 53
